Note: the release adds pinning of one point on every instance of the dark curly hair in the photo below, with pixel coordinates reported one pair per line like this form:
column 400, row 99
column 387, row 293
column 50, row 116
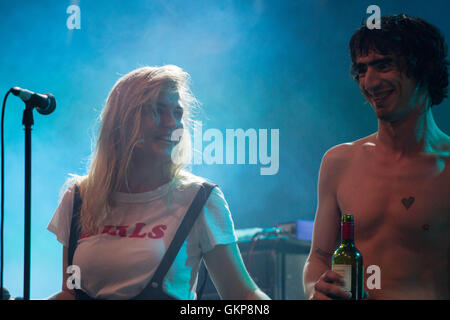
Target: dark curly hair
column 420, row 43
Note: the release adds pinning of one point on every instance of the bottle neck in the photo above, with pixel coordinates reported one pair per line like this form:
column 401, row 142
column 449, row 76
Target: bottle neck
column 347, row 233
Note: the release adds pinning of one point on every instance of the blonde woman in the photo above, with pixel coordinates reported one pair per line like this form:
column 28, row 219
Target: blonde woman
column 136, row 194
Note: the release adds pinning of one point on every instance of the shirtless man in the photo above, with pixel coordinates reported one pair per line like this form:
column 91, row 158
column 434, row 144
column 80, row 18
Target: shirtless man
column 396, row 182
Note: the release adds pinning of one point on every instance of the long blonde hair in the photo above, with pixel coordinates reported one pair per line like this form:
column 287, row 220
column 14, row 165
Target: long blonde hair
column 120, row 131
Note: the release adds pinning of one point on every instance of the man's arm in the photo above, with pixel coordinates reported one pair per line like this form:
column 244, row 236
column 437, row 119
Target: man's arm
column 318, row 280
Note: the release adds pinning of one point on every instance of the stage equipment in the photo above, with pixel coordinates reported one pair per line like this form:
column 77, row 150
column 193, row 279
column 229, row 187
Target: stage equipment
column 44, row 104
column 274, row 260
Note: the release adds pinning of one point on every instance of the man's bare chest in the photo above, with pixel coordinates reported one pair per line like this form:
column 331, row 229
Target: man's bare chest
column 410, row 204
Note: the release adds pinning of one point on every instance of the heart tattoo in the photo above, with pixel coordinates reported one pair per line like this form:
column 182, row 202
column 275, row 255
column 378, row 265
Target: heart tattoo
column 408, row 202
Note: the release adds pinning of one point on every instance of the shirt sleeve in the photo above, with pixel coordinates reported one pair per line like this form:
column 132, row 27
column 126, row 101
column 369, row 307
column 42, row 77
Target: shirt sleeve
column 215, row 225
column 62, row 218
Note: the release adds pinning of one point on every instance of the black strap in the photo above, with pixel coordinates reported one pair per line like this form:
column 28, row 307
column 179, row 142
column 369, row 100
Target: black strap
column 182, row 232
column 178, row 240
column 74, row 226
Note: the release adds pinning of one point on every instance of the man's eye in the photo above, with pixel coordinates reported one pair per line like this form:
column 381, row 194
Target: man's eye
column 383, row 66
column 361, row 70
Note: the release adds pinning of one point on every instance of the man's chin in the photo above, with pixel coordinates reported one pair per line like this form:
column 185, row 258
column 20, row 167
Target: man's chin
column 388, row 116
column 383, row 111
column 383, row 114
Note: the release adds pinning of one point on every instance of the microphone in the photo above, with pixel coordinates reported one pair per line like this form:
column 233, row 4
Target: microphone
column 44, row 103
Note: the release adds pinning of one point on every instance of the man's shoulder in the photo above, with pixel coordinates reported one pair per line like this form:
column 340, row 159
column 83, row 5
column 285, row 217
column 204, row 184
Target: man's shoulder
column 348, row 150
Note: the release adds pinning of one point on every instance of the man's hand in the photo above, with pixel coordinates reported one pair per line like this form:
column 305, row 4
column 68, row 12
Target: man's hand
column 327, row 287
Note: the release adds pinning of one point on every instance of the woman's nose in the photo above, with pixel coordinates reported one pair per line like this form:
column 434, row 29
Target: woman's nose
column 169, row 120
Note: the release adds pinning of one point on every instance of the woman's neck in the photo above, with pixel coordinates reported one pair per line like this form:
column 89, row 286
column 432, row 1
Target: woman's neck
column 145, row 175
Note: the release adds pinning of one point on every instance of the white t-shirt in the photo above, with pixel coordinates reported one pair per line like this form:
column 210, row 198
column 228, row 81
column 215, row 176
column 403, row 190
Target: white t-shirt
column 120, row 261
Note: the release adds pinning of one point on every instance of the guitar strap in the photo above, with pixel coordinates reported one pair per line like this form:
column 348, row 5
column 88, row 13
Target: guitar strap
column 153, row 290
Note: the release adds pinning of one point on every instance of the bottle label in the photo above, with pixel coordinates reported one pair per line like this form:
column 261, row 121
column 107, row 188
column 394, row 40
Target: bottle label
column 345, row 271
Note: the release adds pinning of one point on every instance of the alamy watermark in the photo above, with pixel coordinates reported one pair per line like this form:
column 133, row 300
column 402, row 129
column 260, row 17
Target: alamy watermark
column 374, row 278
column 74, row 20
column 215, row 147
column 221, row 148
column 74, row 280
column 374, row 21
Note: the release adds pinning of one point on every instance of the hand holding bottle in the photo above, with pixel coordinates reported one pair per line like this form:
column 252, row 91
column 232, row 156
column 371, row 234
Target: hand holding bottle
column 329, row 287
column 347, row 261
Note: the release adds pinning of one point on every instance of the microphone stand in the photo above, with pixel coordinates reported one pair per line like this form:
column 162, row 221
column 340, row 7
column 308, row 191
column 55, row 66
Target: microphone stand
column 45, row 104
column 28, row 122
